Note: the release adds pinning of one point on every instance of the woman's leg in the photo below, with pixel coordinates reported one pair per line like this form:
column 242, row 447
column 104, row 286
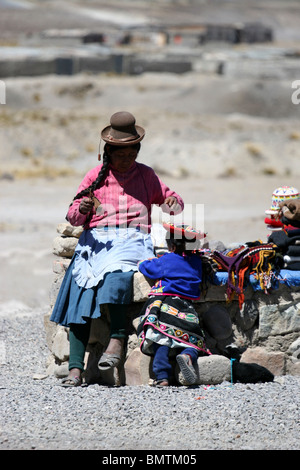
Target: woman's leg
column 118, row 320
column 118, row 323
column 78, row 339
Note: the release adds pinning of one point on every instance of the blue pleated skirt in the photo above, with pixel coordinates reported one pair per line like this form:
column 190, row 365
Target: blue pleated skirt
column 75, row 304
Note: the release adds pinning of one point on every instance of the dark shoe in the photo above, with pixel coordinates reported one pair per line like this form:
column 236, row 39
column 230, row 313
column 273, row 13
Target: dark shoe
column 186, row 368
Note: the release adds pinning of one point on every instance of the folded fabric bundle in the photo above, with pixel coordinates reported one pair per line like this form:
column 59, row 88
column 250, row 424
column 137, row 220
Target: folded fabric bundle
column 291, row 262
column 294, row 232
column 285, row 239
column 293, row 250
column 280, row 239
column 295, row 266
column 291, row 259
column 294, row 223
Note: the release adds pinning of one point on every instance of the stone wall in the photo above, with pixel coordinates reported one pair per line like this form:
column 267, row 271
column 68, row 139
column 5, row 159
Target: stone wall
column 282, row 64
column 266, row 331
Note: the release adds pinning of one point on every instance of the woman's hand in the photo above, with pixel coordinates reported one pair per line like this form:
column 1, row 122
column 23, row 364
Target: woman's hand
column 172, row 203
column 86, row 205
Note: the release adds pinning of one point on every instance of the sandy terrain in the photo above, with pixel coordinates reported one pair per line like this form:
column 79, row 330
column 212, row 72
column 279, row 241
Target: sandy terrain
column 223, row 142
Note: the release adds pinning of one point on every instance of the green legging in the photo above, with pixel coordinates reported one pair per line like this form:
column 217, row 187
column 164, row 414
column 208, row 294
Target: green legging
column 79, row 334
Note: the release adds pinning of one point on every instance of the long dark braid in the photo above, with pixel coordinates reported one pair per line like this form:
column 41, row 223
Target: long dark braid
column 102, row 173
column 95, row 184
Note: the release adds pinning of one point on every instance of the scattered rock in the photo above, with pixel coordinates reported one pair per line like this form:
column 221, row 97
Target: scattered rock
column 273, row 361
column 64, row 246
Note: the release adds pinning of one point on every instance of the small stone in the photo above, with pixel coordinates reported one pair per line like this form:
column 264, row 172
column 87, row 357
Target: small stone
column 69, row 231
column 294, row 349
column 64, row 246
column 38, row 376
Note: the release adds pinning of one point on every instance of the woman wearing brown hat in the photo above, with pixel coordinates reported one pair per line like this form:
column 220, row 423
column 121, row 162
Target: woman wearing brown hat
column 113, row 204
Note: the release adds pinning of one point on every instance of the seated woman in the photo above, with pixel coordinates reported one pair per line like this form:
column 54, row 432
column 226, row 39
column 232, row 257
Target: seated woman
column 113, row 203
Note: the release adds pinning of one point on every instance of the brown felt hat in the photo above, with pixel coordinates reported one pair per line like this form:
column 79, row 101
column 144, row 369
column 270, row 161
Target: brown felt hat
column 122, row 130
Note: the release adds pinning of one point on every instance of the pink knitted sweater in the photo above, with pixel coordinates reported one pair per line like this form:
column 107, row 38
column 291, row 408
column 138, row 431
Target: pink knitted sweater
column 125, row 198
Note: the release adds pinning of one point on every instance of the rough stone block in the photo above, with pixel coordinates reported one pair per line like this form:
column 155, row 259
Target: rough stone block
column 294, row 349
column 141, row 287
column 60, row 265
column 214, row 294
column 60, row 345
column 58, row 370
column 138, row 368
column 211, row 370
column 246, row 317
column 279, row 319
column 55, row 289
column 293, row 368
column 273, row 361
column 50, row 330
column 64, row 246
column 69, row 231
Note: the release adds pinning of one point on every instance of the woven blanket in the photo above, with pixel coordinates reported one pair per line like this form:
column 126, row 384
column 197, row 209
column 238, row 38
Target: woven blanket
column 256, row 258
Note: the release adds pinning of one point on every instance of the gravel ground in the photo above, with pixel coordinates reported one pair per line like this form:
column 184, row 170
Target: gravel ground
column 38, row 414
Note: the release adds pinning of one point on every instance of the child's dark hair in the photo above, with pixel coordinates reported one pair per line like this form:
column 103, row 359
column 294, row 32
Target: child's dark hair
column 102, row 173
column 182, row 245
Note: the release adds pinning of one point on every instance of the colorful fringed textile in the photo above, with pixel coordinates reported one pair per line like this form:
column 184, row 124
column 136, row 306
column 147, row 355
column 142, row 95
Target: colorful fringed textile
column 258, row 259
